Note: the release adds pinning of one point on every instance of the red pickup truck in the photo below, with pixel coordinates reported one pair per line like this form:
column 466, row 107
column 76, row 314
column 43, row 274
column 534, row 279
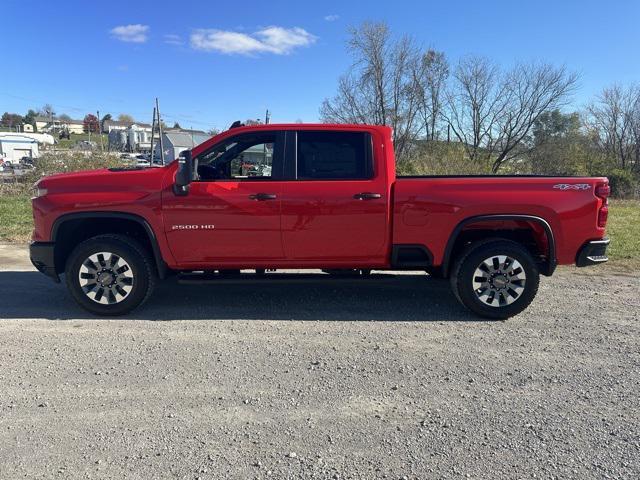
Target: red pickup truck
column 311, row 197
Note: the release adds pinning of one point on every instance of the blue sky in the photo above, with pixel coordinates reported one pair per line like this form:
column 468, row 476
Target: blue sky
column 214, row 62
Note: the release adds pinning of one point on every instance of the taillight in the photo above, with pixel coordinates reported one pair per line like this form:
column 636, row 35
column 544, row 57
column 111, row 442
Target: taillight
column 603, row 213
column 603, row 190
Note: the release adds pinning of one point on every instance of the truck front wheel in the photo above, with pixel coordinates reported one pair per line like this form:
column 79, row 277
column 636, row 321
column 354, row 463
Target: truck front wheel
column 495, row 278
column 109, row 275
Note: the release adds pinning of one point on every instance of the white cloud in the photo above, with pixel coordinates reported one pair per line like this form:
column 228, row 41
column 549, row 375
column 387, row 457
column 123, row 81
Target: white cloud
column 331, row 18
column 173, row 39
column 277, row 40
column 130, row 33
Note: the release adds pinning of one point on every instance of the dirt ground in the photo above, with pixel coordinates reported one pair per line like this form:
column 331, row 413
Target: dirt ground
column 387, row 378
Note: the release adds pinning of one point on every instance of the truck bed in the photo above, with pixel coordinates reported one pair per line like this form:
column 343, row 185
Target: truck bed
column 428, row 209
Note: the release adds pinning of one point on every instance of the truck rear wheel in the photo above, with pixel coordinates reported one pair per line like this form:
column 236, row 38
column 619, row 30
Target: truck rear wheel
column 495, row 279
column 109, row 275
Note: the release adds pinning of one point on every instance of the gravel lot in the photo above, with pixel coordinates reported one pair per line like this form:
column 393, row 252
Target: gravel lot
column 383, row 379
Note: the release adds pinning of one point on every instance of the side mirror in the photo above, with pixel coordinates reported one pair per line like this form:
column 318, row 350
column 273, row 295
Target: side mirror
column 184, row 174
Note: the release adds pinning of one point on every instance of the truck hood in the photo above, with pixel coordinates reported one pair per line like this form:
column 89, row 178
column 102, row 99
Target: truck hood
column 103, row 180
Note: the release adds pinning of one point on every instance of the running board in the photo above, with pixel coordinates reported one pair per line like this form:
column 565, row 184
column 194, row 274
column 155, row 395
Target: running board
column 281, row 278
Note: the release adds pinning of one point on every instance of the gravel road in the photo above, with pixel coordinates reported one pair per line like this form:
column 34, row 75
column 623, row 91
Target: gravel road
column 388, row 378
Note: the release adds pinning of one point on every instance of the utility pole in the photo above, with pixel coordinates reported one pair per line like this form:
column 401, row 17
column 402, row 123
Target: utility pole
column 100, row 131
column 153, row 129
column 160, row 132
column 267, row 117
column 51, row 120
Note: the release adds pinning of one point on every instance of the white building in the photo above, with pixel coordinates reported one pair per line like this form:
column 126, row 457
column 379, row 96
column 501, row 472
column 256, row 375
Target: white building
column 110, row 125
column 175, row 141
column 45, row 124
column 134, row 138
column 14, row 146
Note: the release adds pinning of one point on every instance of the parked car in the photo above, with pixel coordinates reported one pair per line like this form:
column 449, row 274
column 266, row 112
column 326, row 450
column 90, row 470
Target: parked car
column 331, row 201
column 26, row 163
column 5, row 165
column 86, row 145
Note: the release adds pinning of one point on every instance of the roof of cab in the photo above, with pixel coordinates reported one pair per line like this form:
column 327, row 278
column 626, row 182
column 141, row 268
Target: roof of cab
column 307, row 126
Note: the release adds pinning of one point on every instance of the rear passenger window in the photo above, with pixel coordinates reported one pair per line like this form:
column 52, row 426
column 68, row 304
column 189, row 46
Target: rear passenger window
column 334, row 156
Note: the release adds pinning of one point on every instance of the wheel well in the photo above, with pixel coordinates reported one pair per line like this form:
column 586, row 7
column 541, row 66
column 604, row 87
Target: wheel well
column 534, row 236
column 70, row 233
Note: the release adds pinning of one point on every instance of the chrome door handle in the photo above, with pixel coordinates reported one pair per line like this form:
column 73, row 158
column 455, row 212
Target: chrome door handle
column 367, row 196
column 263, row 196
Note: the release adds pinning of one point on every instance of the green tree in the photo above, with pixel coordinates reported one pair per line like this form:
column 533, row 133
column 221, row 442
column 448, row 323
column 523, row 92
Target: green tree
column 176, row 125
column 105, row 118
column 559, row 147
column 555, row 124
column 30, row 118
column 11, row 119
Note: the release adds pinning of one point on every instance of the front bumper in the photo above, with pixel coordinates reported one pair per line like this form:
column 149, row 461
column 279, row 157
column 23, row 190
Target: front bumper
column 42, row 257
column 593, row 253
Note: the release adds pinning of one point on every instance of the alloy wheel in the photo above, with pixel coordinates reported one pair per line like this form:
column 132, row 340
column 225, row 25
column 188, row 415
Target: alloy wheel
column 499, row 280
column 106, row 278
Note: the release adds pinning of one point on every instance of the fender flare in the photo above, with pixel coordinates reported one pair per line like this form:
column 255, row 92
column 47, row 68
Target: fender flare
column 550, row 265
column 157, row 254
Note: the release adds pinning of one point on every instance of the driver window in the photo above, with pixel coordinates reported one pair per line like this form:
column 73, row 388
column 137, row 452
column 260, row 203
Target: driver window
column 238, row 158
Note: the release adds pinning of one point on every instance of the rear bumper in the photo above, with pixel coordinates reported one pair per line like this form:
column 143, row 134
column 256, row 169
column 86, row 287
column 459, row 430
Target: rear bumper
column 593, row 253
column 42, row 257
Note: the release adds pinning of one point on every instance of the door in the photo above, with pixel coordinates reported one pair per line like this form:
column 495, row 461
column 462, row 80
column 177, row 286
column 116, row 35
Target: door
column 335, row 211
column 231, row 215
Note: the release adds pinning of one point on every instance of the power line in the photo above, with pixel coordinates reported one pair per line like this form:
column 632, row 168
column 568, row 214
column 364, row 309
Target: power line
column 170, row 117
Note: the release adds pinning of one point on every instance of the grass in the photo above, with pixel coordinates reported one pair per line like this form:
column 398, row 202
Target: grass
column 78, row 137
column 16, row 221
column 623, row 226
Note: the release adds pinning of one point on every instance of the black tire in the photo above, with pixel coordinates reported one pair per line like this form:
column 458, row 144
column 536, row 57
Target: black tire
column 139, row 266
column 480, row 300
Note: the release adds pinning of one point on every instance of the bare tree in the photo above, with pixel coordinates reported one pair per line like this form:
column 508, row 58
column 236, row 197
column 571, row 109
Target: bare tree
column 530, row 90
column 475, row 103
column 125, row 117
column 47, row 111
column 615, row 118
column 379, row 88
column 430, row 76
column 492, row 113
column 636, row 132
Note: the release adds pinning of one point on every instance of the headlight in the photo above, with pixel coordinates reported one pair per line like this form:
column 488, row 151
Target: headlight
column 39, row 192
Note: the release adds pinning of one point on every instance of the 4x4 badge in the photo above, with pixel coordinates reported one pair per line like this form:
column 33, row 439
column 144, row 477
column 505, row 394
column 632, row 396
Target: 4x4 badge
column 572, row 186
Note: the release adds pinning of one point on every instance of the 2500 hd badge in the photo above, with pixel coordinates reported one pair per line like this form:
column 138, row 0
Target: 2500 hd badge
column 192, row 227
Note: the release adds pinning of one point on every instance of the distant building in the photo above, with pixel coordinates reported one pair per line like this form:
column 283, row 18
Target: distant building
column 110, row 125
column 48, row 125
column 14, row 146
column 175, row 141
column 134, row 138
column 117, row 140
